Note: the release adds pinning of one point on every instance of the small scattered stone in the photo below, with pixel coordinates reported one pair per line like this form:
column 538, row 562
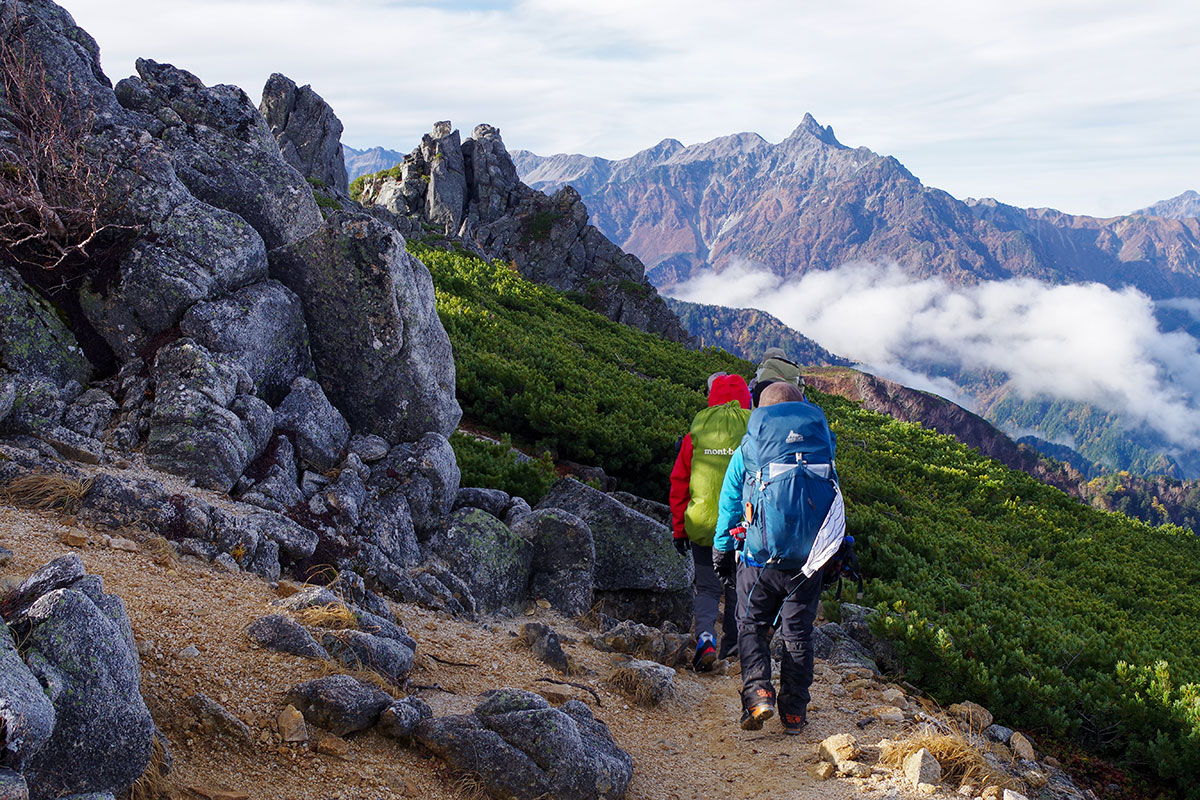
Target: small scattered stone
column 993, row 793
column 6, row 556
column 188, row 653
column 1009, row 794
column 127, row 545
column 333, row 746
column 291, row 725
column 75, row 538
column 998, row 733
column 837, row 690
column 216, row 719
column 853, row 769
column 1022, row 747
column 227, row 562
column 974, row 716
column 894, row 696
column 838, row 748
column 1035, row 778
column 647, row 682
column 823, row 771
column 921, row 767
column 889, row 714
column 927, row 788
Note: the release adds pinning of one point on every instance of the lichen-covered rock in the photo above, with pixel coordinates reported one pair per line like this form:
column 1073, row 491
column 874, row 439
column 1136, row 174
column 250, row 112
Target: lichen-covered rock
column 401, row 718
column 285, row 635
column 8, row 395
column 856, row 622
column 387, row 523
column 492, row 560
column 224, row 153
column 426, row 473
column 194, row 432
column 638, row 575
column 321, row 432
column 90, row 413
column 369, row 447
column 33, row 339
column 308, row 132
column 261, row 326
column 520, row 747
column 665, row 645
column 361, row 650
column 493, row 501
column 380, row 350
column 12, row 785
column 37, row 406
column 26, row 714
column 79, row 646
column 564, row 559
column 339, row 703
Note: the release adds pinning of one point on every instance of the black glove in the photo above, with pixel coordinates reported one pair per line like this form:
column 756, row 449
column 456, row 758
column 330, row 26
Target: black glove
column 725, row 565
column 682, row 545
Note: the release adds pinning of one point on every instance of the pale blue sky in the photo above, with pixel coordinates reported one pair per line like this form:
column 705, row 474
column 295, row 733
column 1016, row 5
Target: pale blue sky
column 1089, row 107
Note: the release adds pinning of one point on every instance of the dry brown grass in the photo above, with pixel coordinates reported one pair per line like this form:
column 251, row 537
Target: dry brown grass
column 47, row 491
column 365, row 675
column 961, row 761
column 336, row 616
column 154, row 782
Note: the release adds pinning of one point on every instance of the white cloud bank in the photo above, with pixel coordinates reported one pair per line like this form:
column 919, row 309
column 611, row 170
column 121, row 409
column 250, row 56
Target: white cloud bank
column 1083, row 342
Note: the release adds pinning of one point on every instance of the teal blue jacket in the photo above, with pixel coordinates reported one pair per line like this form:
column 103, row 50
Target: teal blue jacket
column 729, row 514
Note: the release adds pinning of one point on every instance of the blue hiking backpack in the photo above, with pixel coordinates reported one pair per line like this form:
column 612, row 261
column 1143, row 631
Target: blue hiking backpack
column 794, row 515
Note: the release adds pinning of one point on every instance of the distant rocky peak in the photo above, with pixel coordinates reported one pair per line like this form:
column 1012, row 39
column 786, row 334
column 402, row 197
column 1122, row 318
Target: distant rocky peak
column 1182, row 206
column 810, row 128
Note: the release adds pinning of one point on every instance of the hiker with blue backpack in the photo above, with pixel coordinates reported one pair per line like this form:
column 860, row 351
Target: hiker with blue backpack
column 782, row 511
column 695, row 488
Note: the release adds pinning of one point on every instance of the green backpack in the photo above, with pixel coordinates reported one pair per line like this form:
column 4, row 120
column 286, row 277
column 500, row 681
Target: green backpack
column 716, row 432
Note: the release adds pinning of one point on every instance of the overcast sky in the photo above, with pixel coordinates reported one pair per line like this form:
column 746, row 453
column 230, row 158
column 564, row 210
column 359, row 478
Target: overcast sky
column 1090, row 107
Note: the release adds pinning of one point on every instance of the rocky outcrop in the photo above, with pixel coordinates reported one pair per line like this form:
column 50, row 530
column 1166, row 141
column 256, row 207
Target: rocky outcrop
column 380, row 350
column 224, row 151
column 86, row 728
column 638, row 575
column 33, row 340
column 339, row 703
column 520, row 747
column 206, row 425
column 563, row 559
column 308, row 132
column 471, row 190
column 492, row 560
column 260, row 326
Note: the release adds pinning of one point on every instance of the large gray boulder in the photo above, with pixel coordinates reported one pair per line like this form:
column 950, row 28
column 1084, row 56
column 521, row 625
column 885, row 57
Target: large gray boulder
column 321, row 432
column 426, row 473
column 339, row 703
column 33, row 340
column 492, row 560
column 78, row 643
column 224, row 152
column 387, row 523
column 262, row 326
column 26, row 713
column 564, row 559
column 520, row 747
column 361, row 650
column 195, row 428
column 380, row 350
column 638, row 575
column 308, row 132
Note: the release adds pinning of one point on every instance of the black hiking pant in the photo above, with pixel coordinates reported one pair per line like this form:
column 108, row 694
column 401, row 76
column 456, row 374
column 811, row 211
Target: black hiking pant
column 763, row 594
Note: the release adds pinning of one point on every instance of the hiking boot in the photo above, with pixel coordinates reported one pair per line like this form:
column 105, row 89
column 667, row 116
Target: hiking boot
column 761, row 709
column 793, row 723
column 753, row 718
column 706, row 654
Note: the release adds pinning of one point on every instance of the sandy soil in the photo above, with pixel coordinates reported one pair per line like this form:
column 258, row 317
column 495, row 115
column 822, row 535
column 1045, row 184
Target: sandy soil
column 691, row 748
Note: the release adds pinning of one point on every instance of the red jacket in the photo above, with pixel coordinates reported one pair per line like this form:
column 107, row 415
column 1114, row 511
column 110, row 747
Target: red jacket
column 724, row 389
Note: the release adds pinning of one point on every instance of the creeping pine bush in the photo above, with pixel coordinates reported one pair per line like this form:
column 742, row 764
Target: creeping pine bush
column 531, row 362
column 497, row 466
column 1070, row 621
